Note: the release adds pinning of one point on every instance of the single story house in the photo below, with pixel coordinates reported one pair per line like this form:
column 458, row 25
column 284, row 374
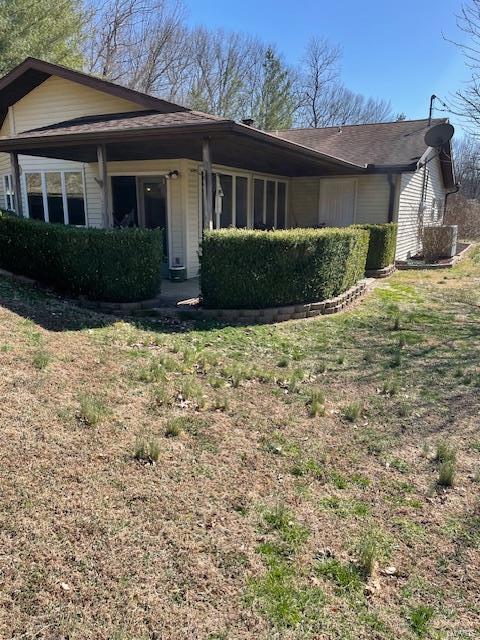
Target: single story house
column 80, row 150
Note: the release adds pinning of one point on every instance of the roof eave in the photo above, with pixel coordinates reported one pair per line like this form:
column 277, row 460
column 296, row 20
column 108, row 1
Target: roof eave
column 294, row 146
column 23, row 142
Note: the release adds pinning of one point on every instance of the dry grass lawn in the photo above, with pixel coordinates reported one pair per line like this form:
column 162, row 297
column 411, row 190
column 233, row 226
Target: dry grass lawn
column 312, row 479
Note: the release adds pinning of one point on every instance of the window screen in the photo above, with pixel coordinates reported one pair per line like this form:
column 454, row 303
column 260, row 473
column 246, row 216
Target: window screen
column 75, row 197
column 241, row 202
column 53, row 183
column 35, row 196
column 281, row 205
column 258, row 191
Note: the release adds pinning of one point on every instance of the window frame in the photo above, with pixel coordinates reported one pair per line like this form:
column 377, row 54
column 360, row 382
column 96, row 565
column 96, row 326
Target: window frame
column 9, row 192
column 250, row 176
column 234, row 175
column 276, row 180
column 43, row 181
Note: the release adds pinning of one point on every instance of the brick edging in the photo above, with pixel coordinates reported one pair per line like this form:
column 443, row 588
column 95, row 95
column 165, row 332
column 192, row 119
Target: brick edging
column 114, row 307
column 273, row 314
column 242, row 316
column 380, row 273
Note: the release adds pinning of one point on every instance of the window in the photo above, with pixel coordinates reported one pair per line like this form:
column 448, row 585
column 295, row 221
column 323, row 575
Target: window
column 9, row 193
column 281, row 205
column 35, row 196
column 241, row 202
column 230, row 200
column 258, row 204
column 269, row 204
column 222, row 201
column 75, row 197
column 56, row 196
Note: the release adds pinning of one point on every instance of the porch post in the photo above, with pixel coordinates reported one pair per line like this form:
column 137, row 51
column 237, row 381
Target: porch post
column 16, row 183
column 208, row 185
column 103, row 181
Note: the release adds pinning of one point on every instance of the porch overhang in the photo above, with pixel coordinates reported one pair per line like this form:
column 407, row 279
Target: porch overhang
column 232, row 144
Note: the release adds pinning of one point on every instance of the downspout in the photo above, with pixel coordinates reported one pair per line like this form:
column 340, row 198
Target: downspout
column 450, row 193
column 391, row 196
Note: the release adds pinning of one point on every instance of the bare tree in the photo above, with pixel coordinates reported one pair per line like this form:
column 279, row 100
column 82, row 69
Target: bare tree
column 320, row 71
column 323, row 100
column 222, row 71
column 467, row 166
column 340, row 106
column 466, row 101
column 140, row 43
column 147, row 45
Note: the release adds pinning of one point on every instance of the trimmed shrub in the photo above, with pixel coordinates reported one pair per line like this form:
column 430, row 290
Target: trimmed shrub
column 254, row 269
column 381, row 247
column 116, row 265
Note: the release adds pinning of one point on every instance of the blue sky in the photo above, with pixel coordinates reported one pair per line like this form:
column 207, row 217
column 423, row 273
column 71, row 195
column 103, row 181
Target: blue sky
column 392, row 50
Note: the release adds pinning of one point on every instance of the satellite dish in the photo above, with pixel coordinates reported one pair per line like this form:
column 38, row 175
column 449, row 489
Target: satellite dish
column 439, row 135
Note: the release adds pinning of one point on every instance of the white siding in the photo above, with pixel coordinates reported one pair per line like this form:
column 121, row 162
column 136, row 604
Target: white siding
column 371, row 200
column 373, row 193
column 56, row 100
column 409, row 214
column 53, row 101
column 303, row 202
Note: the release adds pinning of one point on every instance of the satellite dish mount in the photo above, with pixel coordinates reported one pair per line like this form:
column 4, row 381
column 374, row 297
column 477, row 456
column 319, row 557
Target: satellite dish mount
column 438, row 135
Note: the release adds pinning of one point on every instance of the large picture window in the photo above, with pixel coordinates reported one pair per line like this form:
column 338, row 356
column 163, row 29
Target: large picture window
column 9, row 193
column 56, row 196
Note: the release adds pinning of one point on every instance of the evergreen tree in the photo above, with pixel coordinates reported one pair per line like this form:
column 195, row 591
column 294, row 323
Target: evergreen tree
column 47, row 29
column 277, row 102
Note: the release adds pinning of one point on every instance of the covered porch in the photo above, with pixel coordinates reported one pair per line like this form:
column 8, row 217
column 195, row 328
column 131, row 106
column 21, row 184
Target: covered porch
column 152, row 169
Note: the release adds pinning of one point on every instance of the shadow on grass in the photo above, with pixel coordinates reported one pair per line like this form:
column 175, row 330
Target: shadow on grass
column 53, row 312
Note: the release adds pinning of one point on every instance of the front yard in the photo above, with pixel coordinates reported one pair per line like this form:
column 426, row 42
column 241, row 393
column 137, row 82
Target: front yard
column 177, row 482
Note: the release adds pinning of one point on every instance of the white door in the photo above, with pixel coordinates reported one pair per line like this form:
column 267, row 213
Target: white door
column 337, row 202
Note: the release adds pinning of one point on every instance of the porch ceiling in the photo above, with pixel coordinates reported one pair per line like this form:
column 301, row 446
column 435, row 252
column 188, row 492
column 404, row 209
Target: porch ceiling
column 232, row 145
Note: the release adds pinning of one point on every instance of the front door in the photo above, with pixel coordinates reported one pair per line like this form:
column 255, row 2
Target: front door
column 153, row 192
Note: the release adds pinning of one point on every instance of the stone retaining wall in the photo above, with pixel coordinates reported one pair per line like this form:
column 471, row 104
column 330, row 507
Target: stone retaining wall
column 380, row 273
column 272, row 314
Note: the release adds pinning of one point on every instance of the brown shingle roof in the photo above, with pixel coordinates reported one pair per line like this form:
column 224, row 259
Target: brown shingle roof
column 382, row 144
column 122, row 122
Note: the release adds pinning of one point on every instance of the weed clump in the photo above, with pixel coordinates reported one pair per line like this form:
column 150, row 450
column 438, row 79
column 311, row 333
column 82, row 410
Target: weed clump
column 353, row 411
column 371, row 548
column 41, row 359
column 147, row 451
column 92, row 409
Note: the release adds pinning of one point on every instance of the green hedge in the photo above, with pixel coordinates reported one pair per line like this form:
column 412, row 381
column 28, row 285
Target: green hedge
column 381, row 248
column 116, row 265
column 255, row 269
